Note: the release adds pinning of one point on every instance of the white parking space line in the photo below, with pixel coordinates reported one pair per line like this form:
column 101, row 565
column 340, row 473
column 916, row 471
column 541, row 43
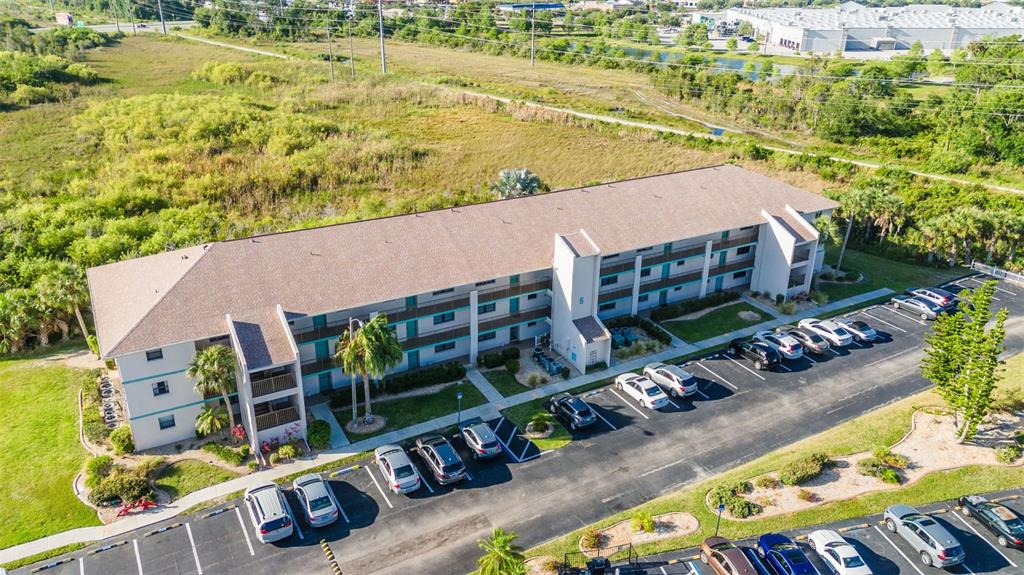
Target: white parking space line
column 343, row 514
column 878, row 319
column 701, row 393
column 980, row 536
column 888, row 357
column 833, row 351
column 601, row 417
column 195, row 552
column 138, row 558
column 901, row 314
column 81, row 566
column 754, row 373
column 663, row 572
column 468, row 475
column 997, row 287
column 674, row 404
column 808, row 358
column 898, row 550
column 629, row 405
column 974, row 287
column 525, row 449
column 241, row 524
column 374, row 479
column 295, row 522
column 726, row 381
column 783, row 366
column 693, row 570
column 427, row 483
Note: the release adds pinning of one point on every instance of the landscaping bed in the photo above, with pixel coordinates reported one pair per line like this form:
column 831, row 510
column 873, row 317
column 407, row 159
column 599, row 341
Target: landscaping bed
column 408, row 411
column 524, row 413
column 180, row 478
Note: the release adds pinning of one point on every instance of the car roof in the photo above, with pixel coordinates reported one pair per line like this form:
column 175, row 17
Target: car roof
column 773, row 539
column 308, row 478
column 482, row 430
column 901, row 510
column 1003, row 512
column 386, row 449
column 268, row 499
column 314, row 488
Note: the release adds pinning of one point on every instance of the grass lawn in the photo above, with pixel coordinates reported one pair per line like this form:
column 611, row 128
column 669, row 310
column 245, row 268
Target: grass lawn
column 39, row 450
column 521, row 415
column 881, row 427
column 183, row 477
column 722, row 320
column 505, row 382
column 880, row 272
column 412, row 410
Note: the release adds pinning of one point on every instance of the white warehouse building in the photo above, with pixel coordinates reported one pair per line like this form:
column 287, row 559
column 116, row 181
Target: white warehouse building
column 854, row 27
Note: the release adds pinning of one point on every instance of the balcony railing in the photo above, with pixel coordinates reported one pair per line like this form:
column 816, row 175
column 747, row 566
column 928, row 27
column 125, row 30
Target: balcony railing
column 261, row 387
column 676, row 254
column 277, row 418
column 514, row 290
column 514, row 319
column 677, row 280
column 739, row 240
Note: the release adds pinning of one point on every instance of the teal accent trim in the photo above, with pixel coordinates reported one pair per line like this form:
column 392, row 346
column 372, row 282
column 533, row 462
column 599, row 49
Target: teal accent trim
column 666, row 270
column 319, row 320
column 668, row 247
column 235, row 394
column 670, row 287
column 414, row 359
column 719, row 276
column 322, row 350
column 630, row 270
column 513, row 305
column 325, row 382
column 663, row 297
column 411, row 328
column 733, row 247
column 513, row 279
column 721, row 257
column 725, row 235
column 718, row 283
column 156, row 376
column 510, row 326
column 410, row 301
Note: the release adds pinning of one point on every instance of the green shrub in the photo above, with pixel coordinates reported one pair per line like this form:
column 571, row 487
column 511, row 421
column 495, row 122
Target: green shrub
column 682, row 308
column 512, row 365
column 591, row 538
column 889, row 475
column 97, row 469
column 510, row 353
column 551, row 565
column 787, row 307
column 424, row 377
column 288, row 452
column 741, row 508
column 275, row 458
column 779, row 298
column 768, row 482
column 642, row 522
column 225, row 453
column 94, row 344
column 806, row 495
column 870, row 466
column 82, row 72
column 121, row 439
column 1008, row 454
column 25, row 95
column 728, row 491
column 597, row 367
column 820, row 298
column 319, row 434
column 127, row 484
column 565, row 373
column 245, row 450
column 536, row 380
column 253, row 465
column 895, row 460
column 540, row 422
column 803, row 469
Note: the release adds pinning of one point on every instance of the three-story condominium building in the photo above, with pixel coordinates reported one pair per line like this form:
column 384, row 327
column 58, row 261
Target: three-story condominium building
column 453, row 282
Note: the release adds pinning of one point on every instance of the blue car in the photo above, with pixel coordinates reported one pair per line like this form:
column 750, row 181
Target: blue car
column 783, row 556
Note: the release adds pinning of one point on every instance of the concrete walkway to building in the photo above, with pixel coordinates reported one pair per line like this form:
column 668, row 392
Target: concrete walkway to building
column 482, row 384
column 768, row 309
column 323, row 411
column 487, row 411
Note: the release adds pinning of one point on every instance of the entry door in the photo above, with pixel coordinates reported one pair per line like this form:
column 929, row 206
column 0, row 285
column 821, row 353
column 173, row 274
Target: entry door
column 325, row 382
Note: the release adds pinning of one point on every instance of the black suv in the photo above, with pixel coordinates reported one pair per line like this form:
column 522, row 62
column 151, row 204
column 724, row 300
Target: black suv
column 762, row 354
column 575, row 412
column 1003, row 522
column 441, row 458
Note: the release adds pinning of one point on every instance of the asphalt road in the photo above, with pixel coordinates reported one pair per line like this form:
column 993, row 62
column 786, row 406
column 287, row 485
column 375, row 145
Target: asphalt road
column 629, row 457
column 126, row 27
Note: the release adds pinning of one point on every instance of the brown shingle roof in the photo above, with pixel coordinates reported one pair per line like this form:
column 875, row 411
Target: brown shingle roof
column 263, row 339
column 590, row 329
column 343, row 266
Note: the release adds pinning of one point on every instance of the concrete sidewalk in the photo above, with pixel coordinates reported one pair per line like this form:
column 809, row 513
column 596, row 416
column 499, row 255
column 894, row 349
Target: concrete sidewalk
column 490, row 410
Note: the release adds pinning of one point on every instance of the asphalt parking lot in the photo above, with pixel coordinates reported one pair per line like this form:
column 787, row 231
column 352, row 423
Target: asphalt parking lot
column 629, row 456
column 884, row 552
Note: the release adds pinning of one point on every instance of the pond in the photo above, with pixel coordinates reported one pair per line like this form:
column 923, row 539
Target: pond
column 723, row 63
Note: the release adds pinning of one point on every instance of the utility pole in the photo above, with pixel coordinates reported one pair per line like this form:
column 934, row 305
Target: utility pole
column 330, row 49
column 113, row 10
column 533, row 30
column 380, row 23
column 351, row 51
column 160, row 9
column 131, row 15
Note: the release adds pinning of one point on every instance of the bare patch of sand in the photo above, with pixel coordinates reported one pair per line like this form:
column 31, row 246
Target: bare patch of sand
column 538, row 565
column 666, row 526
column 748, row 315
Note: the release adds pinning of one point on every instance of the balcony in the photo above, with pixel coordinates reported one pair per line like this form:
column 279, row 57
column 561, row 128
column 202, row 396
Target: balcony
column 676, row 254
column 738, row 240
column 801, row 256
column 514, row 319
column 283, row 382
column 514, row 290
column 277, row 418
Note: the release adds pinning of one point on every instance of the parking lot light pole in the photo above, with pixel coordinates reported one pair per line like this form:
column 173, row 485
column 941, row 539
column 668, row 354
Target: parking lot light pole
column 458, row 421
column 721, row 507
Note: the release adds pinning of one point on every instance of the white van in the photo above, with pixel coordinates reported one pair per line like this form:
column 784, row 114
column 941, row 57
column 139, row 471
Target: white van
column 269, row 512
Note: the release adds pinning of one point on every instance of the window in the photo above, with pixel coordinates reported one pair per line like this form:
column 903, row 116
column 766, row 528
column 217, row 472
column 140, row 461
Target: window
column 441, row 291
column 166, row 422
column 680, row 263
column 487, row 336
column 610, row 256
column 531, row 296
column 486, row 308
column 743, row 250
column 488, row 282
column 160, row 388
column 444, row 317
column 645, row 272
column 610, row 280
column 677, row 288
column 444, row 347
column 607, row 306
column 747, row 227
column 531, row 324
column 643, row 298
column 154, row 354
column 739, row 275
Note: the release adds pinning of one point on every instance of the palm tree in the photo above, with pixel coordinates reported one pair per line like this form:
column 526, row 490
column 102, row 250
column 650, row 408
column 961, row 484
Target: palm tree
column 211, row 420
column 369, row 352
column 828, row 229
column 851, row 206
column 501, row 555
column 213, row 370
column 349, row 354
column 15, row 319
column 64, row 288
column 516, row 183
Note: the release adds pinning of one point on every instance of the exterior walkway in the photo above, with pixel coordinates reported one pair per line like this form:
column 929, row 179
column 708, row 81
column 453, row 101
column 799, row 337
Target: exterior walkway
column 323, row 411
column 770, row 310
column 487, row 411
column 481, row 383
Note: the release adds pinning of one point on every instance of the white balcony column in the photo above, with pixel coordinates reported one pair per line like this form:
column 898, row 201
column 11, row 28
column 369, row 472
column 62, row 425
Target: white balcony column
column 635, row 302
column 707, row 268
column 474, row 325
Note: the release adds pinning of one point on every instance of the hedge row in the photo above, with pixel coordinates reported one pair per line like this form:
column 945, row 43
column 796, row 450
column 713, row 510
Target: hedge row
column 682, row 308
column 319, row 434
column 423, row 377
column 497, row 358
column 803, row 469
column 227, row 454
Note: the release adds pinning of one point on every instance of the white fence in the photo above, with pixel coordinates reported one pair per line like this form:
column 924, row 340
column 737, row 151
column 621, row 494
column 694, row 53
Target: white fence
column 1011, row 277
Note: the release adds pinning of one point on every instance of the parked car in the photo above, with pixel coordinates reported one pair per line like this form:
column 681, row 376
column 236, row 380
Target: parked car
column 833, row 333
column 917, row 306
column 318, row 504
column 675, row 380
column 268, row 512
column 935, row 545
column 724, row 558
column 642, row 390
column 783, row 556
column 441, row 458
column 937, row 296
column 571, row 409
column 397, row 469
column 787, row 345
column 482, row 441
column 840, row 556
column 1006, row 524
column 860, row 330
column 762, row 354
column 811, row 341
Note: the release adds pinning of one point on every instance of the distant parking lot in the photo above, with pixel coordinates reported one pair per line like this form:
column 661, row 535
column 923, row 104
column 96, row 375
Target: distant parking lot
column 631, row 454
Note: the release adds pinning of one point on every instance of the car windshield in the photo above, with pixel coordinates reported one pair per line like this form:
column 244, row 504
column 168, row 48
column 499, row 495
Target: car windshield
column 859, row 325
column 576, row 404
column 451, row 468
column 404, row 471
column 723, row 546
column 275, row 524
column 320, row 503
column 853, row 561
column 840, row 331
column 1015, row 527
column 490, row 445
column 794, row 555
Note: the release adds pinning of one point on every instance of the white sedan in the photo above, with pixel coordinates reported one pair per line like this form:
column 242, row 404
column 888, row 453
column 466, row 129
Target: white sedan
column 783, row 343
column 860, row 330
column 673, row 379
column 644, row 391
column 828, row 329
column 837, row 552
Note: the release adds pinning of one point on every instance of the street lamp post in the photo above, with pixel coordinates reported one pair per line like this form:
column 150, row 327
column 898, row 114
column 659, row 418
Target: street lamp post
column 352, row 376
column 458, row 396
column 721, row 507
